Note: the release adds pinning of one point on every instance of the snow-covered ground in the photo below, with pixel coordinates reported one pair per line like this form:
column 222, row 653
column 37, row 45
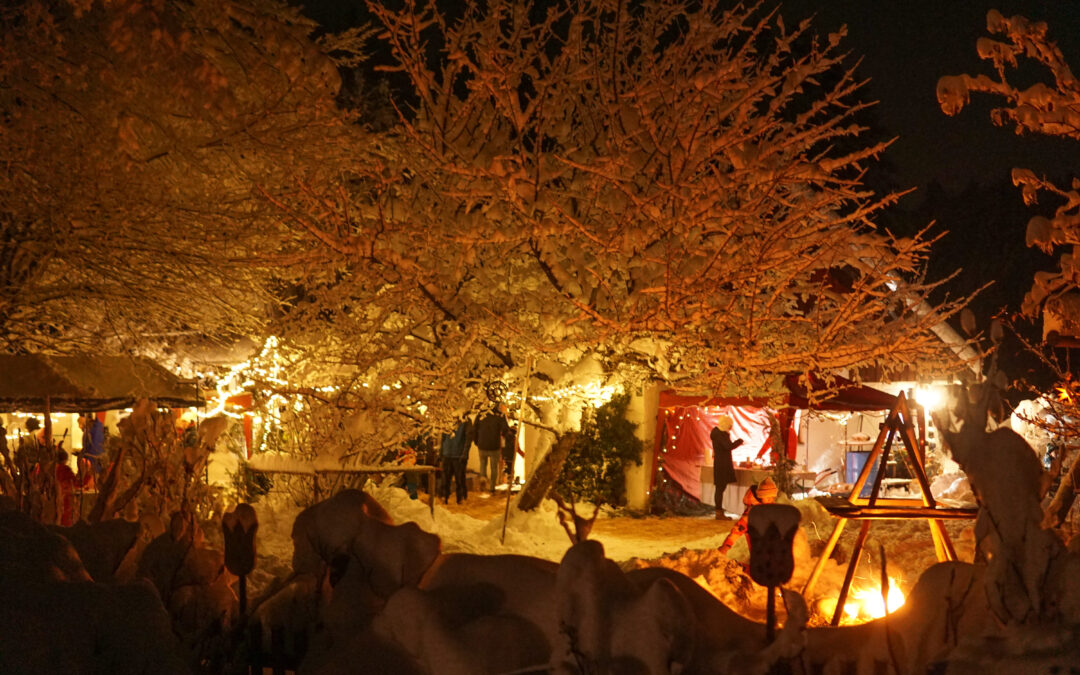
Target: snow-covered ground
column 686, row 544
column 477, row 527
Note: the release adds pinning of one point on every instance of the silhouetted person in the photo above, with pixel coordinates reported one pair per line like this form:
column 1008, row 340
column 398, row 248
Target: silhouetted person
column 492, row 433
column 723, row 464
column 93, row 444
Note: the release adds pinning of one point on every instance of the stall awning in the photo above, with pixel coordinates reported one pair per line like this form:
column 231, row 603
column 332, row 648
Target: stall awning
column 88, row 383
column 811, row 392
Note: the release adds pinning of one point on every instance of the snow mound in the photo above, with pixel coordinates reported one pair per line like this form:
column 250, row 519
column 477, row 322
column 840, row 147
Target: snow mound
column 536, row 533
column 712, row 570
column 954, row 489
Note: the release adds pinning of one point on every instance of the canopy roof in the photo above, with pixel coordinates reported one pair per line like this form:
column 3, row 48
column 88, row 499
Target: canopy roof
column 812, row 393
column 88, row 383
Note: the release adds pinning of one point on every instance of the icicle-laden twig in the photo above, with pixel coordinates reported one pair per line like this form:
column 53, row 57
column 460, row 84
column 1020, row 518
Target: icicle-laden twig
column 1052, row 108
column 568, row 516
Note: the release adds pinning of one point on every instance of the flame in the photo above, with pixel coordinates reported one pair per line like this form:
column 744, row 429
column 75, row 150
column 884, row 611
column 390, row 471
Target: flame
column 865, row 604
column 868, row 601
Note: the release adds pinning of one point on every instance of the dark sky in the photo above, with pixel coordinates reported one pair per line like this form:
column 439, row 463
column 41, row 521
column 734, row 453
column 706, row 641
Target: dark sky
column 906, row 45
column 960, row 166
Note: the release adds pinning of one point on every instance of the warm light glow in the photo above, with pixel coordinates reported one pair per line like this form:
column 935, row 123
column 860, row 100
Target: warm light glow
column 930, row 398
column 865, row 604
column 269, row 367
column 595, row 394
column 869, row 603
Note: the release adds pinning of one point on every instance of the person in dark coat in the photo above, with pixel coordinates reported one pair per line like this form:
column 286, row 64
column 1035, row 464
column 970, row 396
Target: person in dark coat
column 31, row 446
column 723, row 465
column 492, row 432
column 454, row 452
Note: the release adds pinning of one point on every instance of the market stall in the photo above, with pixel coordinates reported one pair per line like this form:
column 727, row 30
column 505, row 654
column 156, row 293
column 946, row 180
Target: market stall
column 683, row 452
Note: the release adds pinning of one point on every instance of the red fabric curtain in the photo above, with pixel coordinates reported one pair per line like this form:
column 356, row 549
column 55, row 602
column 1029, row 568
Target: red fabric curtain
column 686, row 445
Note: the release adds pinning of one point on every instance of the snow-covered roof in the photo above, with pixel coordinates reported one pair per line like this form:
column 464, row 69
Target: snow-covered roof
column 88, row 382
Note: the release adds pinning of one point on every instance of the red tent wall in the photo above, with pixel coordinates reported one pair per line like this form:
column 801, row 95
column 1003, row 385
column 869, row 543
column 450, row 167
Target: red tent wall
column 684, row 451
column 687, row 438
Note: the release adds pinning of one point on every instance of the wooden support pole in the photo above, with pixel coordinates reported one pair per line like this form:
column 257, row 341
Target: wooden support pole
column 942, row 543
column 939, row 548
column 242, row 587
column 48, row 429
column 856, row 552
column 519, row 435
column 883, row 465
column 431, row 490
column 820, row 565
column 899, row 510
column 770, row 614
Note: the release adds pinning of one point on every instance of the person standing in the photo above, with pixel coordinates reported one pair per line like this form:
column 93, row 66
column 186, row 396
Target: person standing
column 509, row 451
column 723, row 464
column 492, row 432
column 93, row 441
column 66, row 483
column 454, row 451
column 31, row 446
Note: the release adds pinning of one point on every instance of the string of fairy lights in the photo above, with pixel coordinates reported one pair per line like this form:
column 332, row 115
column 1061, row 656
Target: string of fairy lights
column 266, row 373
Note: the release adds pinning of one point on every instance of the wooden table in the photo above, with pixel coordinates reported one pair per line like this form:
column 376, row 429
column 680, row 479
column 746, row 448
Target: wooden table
column 748, row 478
column 745, row 478
column 362, row 470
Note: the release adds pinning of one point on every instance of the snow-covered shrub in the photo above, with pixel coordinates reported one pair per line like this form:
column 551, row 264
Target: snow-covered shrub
column 153, row 469
column 247, row 485
column 595, row 468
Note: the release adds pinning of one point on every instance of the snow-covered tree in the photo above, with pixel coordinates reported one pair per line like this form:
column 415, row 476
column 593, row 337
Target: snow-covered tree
column 143, row 144
column 660, row 185
column 1050, row 107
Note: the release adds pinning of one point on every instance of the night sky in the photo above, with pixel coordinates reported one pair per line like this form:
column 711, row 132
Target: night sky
column 906, row 45
column 959, row 166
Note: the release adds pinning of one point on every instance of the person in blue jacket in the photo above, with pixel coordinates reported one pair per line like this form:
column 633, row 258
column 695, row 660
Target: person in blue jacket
column 93, row 449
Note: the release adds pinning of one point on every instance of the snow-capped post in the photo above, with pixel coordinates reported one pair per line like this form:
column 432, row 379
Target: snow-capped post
column 239, row 527
column 771, row 530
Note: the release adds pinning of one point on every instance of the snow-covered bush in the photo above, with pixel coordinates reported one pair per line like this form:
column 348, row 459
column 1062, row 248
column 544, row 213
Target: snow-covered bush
column 153, row 469
column 595, row 468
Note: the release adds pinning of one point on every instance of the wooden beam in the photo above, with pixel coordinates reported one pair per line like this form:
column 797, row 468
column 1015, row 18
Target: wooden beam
column 856, row 551
column 942, row 540
column 856, row 511
column 820, row 565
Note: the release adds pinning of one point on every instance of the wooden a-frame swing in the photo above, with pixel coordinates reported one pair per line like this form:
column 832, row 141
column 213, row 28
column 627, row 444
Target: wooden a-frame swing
column 898, row 423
